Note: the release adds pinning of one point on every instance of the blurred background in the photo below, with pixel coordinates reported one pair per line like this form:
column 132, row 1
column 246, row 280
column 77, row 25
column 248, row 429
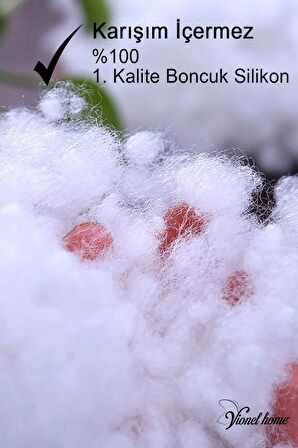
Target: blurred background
column 258, row 120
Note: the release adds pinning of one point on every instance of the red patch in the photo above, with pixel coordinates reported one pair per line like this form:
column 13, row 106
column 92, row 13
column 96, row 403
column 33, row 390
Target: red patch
column 89, row 240
column 238, row 287
column 181, row 222
column 286, row 405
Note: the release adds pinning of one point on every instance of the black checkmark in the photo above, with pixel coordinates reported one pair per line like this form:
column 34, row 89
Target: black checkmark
column 46, row 72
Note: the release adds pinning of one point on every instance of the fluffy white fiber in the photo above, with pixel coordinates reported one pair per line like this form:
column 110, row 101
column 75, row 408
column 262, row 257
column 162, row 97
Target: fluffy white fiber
column 208, row 116
column 136, row 349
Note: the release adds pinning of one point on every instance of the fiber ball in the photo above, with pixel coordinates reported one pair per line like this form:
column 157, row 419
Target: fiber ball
column 129, row 345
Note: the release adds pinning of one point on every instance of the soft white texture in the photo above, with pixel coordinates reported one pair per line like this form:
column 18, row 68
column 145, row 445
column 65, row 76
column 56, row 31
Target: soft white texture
column 261, row 119
column 135, row 350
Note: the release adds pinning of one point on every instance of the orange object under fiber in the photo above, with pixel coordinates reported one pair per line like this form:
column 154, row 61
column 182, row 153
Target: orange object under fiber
column 89, row 240
column 238, row 286
column 286, row 405
column 181, row 221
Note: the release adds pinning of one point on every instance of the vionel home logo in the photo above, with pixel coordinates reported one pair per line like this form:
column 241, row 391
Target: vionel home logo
column 241, row 415
column 148, row 224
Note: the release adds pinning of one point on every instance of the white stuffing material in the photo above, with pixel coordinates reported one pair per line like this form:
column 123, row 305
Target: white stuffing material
column 259, row 118
column 136, row 349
